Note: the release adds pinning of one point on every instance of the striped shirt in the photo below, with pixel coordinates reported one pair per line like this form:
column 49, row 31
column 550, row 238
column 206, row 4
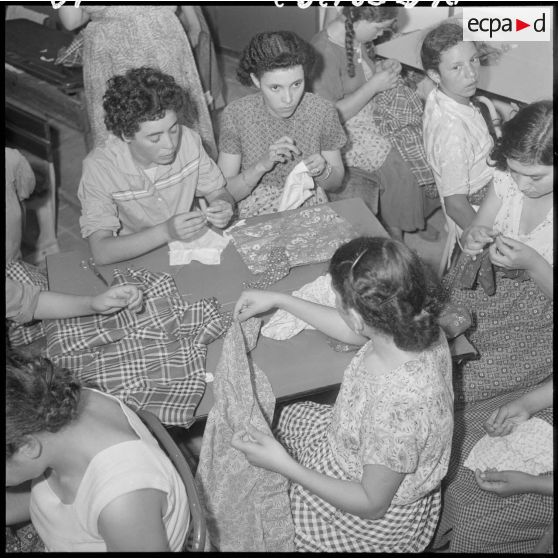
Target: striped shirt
column 117, row 194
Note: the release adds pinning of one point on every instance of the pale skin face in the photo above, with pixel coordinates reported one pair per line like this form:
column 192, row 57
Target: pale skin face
column 282, row 90
column 534, row 181
column 458, row 72
column 157, row 141
column 366, row 31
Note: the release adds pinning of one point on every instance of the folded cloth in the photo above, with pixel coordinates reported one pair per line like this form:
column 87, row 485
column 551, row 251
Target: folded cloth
column 298, row 186
column 206, row 249
column 528, row 448
column 153, row 359
column 284, row 325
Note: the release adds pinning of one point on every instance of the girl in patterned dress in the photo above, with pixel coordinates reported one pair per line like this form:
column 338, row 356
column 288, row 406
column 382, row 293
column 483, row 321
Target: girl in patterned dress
column 366, row 472
column 362, row 89
column 263, row 136
column 513, row 332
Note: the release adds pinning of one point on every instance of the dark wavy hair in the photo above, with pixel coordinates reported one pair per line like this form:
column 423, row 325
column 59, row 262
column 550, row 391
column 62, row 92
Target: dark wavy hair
column 437, row 41
column 275, row 50
column 367, row 13
column 389, row 286
column 527, row 138
column 141, row 95
column 39, row 397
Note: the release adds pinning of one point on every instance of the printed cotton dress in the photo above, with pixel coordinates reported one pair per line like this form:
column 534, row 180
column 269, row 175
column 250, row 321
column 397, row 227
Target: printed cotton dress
column 403, row 420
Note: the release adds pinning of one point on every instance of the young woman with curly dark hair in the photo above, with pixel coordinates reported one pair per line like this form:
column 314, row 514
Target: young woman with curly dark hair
column 512, row 332
column 263, row 136
column 137, row 190
column 82, row 466
column 368, row 94
column 366, row 473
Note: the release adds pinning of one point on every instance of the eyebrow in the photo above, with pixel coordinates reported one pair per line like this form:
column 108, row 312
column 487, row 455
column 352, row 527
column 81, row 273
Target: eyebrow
column 159, row 133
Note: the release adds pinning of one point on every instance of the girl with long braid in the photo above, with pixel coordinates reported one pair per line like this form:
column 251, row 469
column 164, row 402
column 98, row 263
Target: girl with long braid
column 366, row 472
column 347, row 74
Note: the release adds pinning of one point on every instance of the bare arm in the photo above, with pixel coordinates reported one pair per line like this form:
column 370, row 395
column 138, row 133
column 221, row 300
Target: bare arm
column 107, row 249
column 72, row 17
column 370, row 498
column 134, row 522
column 17, row 503
column 476, row 235
column 459, row 209
column 51, row 305
column 323, row 318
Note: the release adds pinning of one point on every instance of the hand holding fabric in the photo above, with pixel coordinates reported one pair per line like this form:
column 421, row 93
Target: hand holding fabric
column 116, row 298
column 504, row 420
column 262, row 450
column 219, row 213
column 476, row 238
column 185, row 226
column 512, row 254
column 505, row 483
column 252, row 303
column 280, row 151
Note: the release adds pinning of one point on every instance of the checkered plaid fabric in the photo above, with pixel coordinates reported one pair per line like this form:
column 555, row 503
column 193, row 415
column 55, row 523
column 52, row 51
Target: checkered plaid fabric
column 71, row 55
column 23, row 334
column 474, row 520
column 152, row 360
column 319, row 526
column 398, row 115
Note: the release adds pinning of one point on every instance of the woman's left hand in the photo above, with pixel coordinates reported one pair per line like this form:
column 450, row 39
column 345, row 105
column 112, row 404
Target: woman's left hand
column 505, row 483
column 315, row 164
column 262, row 450
column 511, row 254
column 219, row 213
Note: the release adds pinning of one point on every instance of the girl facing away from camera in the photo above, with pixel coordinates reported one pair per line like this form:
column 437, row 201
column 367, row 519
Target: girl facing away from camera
column 366, row 472
column 82, row 466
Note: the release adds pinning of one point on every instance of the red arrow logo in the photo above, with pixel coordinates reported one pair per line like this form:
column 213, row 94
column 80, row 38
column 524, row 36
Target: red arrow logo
column 519, row 25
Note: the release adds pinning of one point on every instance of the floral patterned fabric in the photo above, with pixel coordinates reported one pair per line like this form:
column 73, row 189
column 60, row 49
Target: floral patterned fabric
column 513, row 329
column 308, row 235
column 248, row 129
column 509, row 216
column 403, row 420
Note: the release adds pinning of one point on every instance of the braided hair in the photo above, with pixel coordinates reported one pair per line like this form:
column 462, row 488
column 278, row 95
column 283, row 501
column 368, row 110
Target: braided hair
column 367, row 13
column 39, row 397
column 275, row 50
column 388, row 285
column 527, row 137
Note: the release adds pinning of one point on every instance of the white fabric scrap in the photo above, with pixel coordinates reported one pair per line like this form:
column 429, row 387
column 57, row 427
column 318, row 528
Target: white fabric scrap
column 205, row 249
column 528, row 448
column 298, row 188
column 284, row 325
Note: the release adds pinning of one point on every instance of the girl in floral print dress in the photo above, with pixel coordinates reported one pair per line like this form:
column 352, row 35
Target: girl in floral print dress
column 366, row 472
